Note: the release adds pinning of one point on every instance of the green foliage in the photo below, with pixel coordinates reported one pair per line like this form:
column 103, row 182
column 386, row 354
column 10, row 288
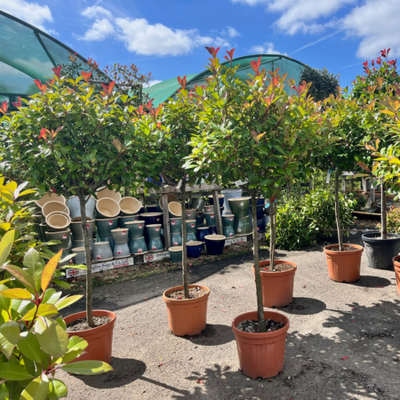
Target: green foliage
column 34, row 343
column 304, row 220
column 393, row 220
column 323, row 82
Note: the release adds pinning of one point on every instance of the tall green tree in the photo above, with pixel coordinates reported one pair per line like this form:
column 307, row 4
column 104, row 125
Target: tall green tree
column 323, row 82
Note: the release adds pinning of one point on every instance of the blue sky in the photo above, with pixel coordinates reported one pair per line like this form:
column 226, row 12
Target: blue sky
column 168, row 38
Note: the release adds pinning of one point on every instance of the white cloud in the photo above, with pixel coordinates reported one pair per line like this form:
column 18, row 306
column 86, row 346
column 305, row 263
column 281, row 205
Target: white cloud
column 100, row 29
column 232, row 32
column 30, row 12
column 265, row 48
column 377, row 23
column 96, row 12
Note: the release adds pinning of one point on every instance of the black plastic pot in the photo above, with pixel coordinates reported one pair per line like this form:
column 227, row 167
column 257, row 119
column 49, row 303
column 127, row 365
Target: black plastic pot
column 380, row 252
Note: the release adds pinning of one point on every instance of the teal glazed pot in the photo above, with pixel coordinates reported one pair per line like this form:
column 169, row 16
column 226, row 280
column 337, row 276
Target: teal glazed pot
column 120, row 235
column 190, row 214
column 108, row 239
column 77, row 231
column 240, row 206
column 229, row 232
column 242, row 226
column 155, row 245
column 197, row 203
column 199, row 218
column 175, row 225
column 81, row 243
column 136, row 228
column 176, row 254
column 102, row 252
column 124, row 219
column 104, row 226
column 62, row 236
column 153, row 231
column 208, row 209
column 75, row 208
column 210, row 218
column 138, row 246
column 176, row 239
column 191, row 226
column 121, row 250
column 191, row 237
column 228, row 220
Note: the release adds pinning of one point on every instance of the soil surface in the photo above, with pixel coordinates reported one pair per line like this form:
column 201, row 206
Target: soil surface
column 349, row 248
column 81, row 324
column 279, row 267
column 194, row 293
column 253, row 326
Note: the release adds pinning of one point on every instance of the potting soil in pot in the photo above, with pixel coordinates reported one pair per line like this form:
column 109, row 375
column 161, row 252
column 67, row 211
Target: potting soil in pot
column 81, row 324
column 278, row 267
column 349, row 248
column 252, row 326
column 194, row 293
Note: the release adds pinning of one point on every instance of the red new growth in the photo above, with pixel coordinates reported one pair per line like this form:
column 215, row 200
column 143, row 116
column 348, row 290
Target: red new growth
column 230, row 54
column 256, row 65
column 18, row 103
column 107, row 89
column 182, row 82
column 57, row 71
column 86, row 76
column 40, row 85
column 43, row 134
column 213, row 51
column 4, row 107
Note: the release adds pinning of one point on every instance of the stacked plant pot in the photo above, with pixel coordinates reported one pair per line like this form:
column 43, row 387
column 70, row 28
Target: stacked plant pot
column 261, row 221
column 228, row 221
column 240, row 209
column 137, row 243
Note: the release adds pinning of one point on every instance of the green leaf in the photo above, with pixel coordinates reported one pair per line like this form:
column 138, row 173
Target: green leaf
column 37, row 389
column 57, row 389
column 66, row 301
column 6, row 245
column 11, row 331
column 31, row 258
column 76, row 342
column 51, row 336
column 21, row 275
column 29, row 346
column 6, row 346
column 44, row 310
column 62, row 284
column 87, row 367
column 14, row 372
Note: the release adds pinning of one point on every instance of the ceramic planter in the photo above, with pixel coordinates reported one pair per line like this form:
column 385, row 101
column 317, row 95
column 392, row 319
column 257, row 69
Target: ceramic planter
column 81, row 243
column 221, row 198
column 53, row 206
column 107, row 208
column 153, row 231
column 191, row 237
column 58, row 221
column 199, row 218
column 175, row 225
column 261, row 355
column 212, row 230
column 380, row 252
column 99, row 338
column 75, row 208
column 136, row 228
column 108, row 239
column 120, row 235
column 121, row 250
column 190, row 226
column 187, row 316
column 228, row 232
column 228, row 220
column 175, row 254
column 50, row 197
column 40, row 230
column 104, row 226
column 130, row 205
column 175, row 209
column 152, row 218
column 170, row 197
column 260, row 225
column 155, row 245
column 152, row 208
column 242, row 226
column 396, row 264
column 197, row 203
column 123, row 220
column 102, row 252
column 230, row 194
column 240, row 206
column 344, row 266
column 215, row 244
column 138, row 246
column 80, row 255
column 77, row 231
column 176, row 239
column 209, row 209
column 63, row 236
column 210, row 218
column 194, row 249
column 105, row 192
column 202, row 232
column 277, row 287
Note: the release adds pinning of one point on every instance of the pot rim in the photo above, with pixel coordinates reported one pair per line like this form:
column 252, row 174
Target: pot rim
column 97, row 329
column 277, row 273
column 239, row 198
column 190, row 220
column 95, row 243
column 209, row 212
column 119, row 230
column 202, row 227
column 220, row 196
column 215, row 237
column 137, row 238
column 151, row 214
column 135, row 222
column 185, row 301
column 194, row 243
column 327, row 249
column 106, row 219
column 60, row 196
column 153, row 226
column 78, row 249
column 366, row 237
column 175, row 248
column 88, row 221
column 58, row 232
column 66, row 216
column 102, row 200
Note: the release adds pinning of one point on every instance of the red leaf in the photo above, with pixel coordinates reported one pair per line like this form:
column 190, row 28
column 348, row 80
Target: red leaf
column 345, row 358
column 57, row 71
column 230, row 54
column 43, row 134
column 18, row 103
column 213, row 51
column 4, row 107
column 86, row 76
column 40, row 85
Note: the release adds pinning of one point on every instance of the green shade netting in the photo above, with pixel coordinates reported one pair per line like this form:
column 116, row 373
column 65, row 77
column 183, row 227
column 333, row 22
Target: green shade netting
column 162, row 91
column 26, row 53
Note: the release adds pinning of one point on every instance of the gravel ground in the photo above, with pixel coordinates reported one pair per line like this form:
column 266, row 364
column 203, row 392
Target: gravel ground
column 343, row 341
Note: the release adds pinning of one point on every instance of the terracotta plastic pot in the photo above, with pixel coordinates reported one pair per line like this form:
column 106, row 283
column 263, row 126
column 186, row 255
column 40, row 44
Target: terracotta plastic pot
column 344, row 266
column 215, row 244
column 99, row 338
column 187, row 317
column 136, row 228
column 175, row 253
column 396, row 264
column 194, row 249
column 107, row 208
column 50, row 197
column 261, row 355
column 277, row 287
column 53, row 206
column 130, row 205
column 105, row 192
column 58, row 220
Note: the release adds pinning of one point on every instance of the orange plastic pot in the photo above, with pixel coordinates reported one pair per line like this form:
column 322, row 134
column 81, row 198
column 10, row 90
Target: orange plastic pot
column 261, row 355
column 344, row 266
column 396, row 263
column 187, row 317
column 99, row 338
column 277, row 287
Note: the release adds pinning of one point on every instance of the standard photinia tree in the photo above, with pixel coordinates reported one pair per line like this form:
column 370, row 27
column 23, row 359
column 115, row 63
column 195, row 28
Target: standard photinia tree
column 74, row 140
column 255, row 132
column 373, row 90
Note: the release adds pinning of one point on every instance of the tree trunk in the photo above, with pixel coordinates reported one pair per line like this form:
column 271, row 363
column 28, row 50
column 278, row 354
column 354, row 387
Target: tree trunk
column 88, row 257
column 383, row 212
column 337, row 211
column 184, row 251
column 260, row 307
column 272, row 223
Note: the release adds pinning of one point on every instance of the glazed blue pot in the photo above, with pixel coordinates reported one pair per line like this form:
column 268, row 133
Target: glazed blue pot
column 202, row 232
column 152, row 208
column 104, row 226
column 260, row 211
column 194, row 249
column 215, row 244
column 261, row 225
column 213, row 230
column 138, row 246
column 75, row 207
column 191, row 237
column 220, row 199
column 152, row 218
column 108, row 239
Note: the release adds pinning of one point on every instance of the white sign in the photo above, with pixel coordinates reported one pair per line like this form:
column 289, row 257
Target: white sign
column 155, row 256
column 122, row 262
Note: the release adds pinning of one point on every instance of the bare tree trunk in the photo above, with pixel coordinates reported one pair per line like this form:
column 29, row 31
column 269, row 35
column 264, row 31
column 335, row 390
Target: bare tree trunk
column 272, row 222
column 383, row 212
column 260, row 307
column 184, row 252
column 88, row 257
column 337, row 211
